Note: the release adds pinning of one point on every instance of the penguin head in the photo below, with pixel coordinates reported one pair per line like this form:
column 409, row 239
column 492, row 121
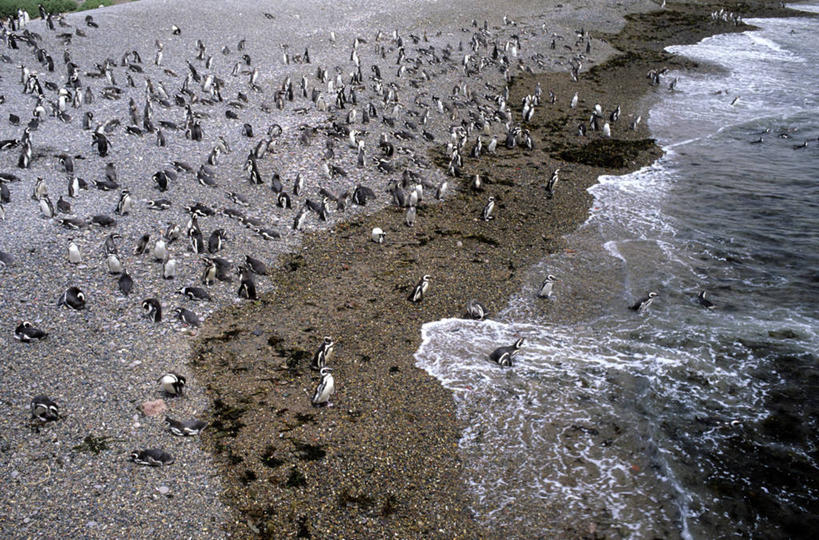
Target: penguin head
column 652, row 294
column 325, row 371
column 519, row 343
column 550, row 277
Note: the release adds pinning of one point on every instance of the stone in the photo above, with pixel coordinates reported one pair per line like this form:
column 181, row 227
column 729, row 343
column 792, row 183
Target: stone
column 153, row 408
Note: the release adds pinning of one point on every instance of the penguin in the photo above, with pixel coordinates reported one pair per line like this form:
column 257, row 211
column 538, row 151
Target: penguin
column 125, row 203
column 215, row 241
column 73, row 297
column 325, row 389
column 209, row 275
column 169, row 268
column 476, row 310
column 419, row 290
column 153, row 309
column 704, row 302
column 545, row 290
column 641, row 305
column 44, row 409
column 323, row 354
column 160, row 251
column 152, row 457
column 486, row 215
column 256, row 266
column 63, row 206
column 46, row 207
column 26, row 332
column 185, row 428
column 114, row 264
column 187, row 317
column 410, row 216
column 377, row 235
column 298, row 221
column 74, row 256
column 247, row 286
column 125, row 283
column 195, row 293
column 550, row 186
column 172, row 383
column 142, row 244
column 503, row 356
column 283, row 200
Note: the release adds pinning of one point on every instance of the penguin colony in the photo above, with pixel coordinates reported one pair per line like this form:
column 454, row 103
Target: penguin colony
column 360, row 127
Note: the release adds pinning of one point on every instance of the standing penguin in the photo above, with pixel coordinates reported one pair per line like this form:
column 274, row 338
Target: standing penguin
column 503, row 356
column 546, row 287
column 125, row 283
column 486, row 215
column 74, row 256
column 419, row 290
column 153, row 309
column 325, row 389
column 323, row 354
column 247, row 285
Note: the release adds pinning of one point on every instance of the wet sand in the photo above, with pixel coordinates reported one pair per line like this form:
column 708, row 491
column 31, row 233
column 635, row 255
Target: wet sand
column 384, row 460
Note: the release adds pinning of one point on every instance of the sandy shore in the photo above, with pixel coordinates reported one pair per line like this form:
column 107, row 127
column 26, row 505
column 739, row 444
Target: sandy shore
column 385, row 459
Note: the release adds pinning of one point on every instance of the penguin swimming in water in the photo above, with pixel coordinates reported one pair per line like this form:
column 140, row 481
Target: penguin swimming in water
column 641, row 305
column 185, row 428
column 546, row 287
column 325, row 389
column 73, row 297
column 703, row 301
column 152, row 457
column 323, row 354
column 44, row 409
column 26, row 332
column 153, row 309
column 172, row 383
column 503, row 356
column 476, row 310
column 419, row 290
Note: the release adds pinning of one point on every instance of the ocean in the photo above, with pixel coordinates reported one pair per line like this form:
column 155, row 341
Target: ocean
column 682, row 421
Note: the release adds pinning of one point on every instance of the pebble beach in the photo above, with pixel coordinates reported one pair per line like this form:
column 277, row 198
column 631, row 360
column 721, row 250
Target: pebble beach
column 384, row 460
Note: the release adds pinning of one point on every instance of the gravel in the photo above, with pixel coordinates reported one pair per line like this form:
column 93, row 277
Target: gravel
column 72, row 478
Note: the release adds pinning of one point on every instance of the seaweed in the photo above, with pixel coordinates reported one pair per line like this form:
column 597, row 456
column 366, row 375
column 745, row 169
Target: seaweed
column 609, row 153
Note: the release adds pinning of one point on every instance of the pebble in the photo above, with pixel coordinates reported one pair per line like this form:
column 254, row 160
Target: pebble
column 163, row 490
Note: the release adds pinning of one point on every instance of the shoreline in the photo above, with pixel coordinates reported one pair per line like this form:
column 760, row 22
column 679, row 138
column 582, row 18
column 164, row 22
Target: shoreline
column 385, row 458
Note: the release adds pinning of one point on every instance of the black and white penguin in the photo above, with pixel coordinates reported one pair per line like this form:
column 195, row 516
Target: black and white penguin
column 256, row 266
column 195, row 293
column 323, row 354
column 419, row 290
column 125, row 203
column 142, row 244
column 325, row 389
column 377, row 235
column 172, row 383
column 216, row 239
column 73, row 297
column 546, row 287
column 152, row 457
column 642, row 304
column 703, row 301
column 187, row 317
column 27, row 332
column 247, row 285
column 185, row 428
column 153, row 309
column 503, row 356
column 476, row 310
column 125, row 283
column 44, row 409
column 486, row 215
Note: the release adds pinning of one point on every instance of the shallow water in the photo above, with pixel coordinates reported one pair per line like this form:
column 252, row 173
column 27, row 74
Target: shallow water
column 682, row 421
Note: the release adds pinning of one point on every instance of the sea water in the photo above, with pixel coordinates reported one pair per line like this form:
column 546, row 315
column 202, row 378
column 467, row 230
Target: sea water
column 680, row 421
